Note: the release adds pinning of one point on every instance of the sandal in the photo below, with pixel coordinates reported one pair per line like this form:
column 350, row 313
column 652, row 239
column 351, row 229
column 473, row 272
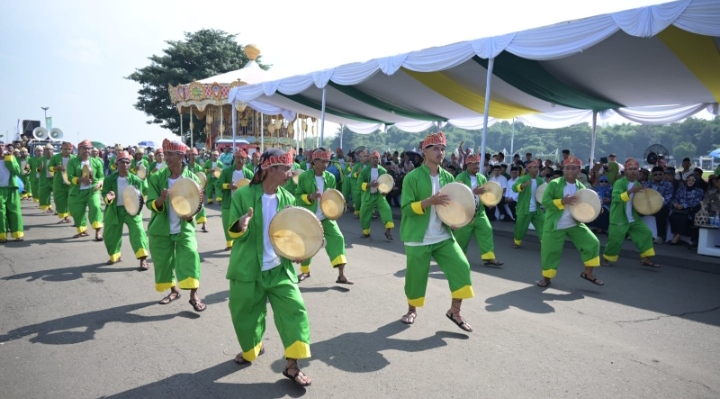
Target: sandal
column 197, row 305
column 98, row 238
column 514, row 246
column 111, row 262
column 388, row 235
column 647, row 262
column 493, row 263
column 303, row 276
column 543, row 283
column 204, row 230
column 409, row 318
column 591, row 278
column 83, row 234
column 143, row 265
column 170, row 298
column 606, row 263
column 239, row 359
column 460, row 323
column 365, row 236
column 304, row 382
column 343, row 280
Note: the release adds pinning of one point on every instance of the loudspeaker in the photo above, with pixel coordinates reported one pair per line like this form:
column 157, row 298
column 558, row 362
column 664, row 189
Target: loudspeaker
column 28, row 127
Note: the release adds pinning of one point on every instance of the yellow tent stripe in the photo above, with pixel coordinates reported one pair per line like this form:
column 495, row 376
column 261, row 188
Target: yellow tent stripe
column 698, row 53
column 448, row 88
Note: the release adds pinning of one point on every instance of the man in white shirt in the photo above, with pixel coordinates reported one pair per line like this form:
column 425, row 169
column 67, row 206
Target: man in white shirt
column 511, row 196
column 498, row 178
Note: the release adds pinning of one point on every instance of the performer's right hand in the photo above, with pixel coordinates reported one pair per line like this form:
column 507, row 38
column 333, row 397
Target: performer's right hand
column 569, row 200
column 110, row 196
column 439, row 199
column 244, row 221
column 163, row 196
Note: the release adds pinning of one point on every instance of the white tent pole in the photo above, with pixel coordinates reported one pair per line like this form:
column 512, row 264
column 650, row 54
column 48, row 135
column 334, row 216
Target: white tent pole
column 262, row 133
column 512, row 139
column 181, row 121
column 592, row 140
column 342, row 128
column 221, row 125
column 322, row 117
column 234, row 120
column 491, row 61
column 191, row 127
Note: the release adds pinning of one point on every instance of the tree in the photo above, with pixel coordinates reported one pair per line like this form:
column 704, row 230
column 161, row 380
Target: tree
column 202, row 54
column 684, row 150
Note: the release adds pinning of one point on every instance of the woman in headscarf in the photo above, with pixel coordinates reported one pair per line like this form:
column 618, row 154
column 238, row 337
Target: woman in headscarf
column 604, row 191
column 685, row 205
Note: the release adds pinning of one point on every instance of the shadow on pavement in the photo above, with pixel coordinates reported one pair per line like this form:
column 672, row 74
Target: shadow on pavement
column 529, row 299
column 57, row 332
column 202, row 385
column 72, row 273
column 360, row 352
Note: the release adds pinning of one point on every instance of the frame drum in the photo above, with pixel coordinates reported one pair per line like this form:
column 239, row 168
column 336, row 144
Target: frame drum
column 587, row 206
column 461, row 209
column 203, row 179
column 332, row 204
column 132, row 200
column 296, row 233
column 539, row 192
column 141, row 172
column 385, row 184
column 186, row 197
column 493, row 194
column 648, row 201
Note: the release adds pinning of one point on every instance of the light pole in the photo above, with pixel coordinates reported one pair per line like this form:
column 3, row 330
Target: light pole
column 45, row 109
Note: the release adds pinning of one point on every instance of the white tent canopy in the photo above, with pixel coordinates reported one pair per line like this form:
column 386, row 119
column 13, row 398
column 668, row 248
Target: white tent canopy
column 652, row 65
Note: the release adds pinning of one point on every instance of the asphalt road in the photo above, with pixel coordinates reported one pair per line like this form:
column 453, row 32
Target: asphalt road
column 73, row 327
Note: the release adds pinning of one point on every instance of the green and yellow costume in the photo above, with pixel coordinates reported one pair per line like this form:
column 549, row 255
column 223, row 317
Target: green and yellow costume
column 212, row 192
column 621, row 226
column 223, row 184
column 370, row 201
column 201, row 217
column 525, row 215
column 480, row 225
column 82, row 199
column 60, row 190
column 116, row 216
column 10, row 212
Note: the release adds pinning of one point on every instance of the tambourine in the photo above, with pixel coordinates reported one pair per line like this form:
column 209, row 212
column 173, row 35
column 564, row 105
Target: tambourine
column 85, row 172
column 493, row 194
column 648, row 201
column 65, row 177
column 332, row 204
column 296, row 176
column 141, row 172
column 461, row 209
column 242, row 182
column 385, row 183
column 186, row 197
column 586, row 207
column 203, row 179
column 216, row 172
column 296, row 233
column 132, row 200
column 540, row 191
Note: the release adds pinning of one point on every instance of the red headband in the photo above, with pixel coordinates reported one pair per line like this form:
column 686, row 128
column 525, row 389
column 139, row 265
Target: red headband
column 285, row 159
column 571, row 160
column 631, row 162
column 434, row 139
column 321, row 155
column 85, row 144
column 375, row 154
column 475, row 158
column 174, row 146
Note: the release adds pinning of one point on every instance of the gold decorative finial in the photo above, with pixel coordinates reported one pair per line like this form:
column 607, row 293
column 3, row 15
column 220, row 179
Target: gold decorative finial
column 252, row 51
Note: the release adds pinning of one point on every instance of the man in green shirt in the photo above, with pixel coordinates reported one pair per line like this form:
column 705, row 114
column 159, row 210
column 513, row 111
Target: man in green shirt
column 10, row 212
column 61, row 185
column 227, row 184
column 355, row 182
column 34, row 176
column 528, row 208
column 426, row 237
column 86, row 175
column 372, row 198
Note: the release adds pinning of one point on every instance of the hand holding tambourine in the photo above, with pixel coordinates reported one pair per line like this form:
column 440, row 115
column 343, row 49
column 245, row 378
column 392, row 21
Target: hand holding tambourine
column 479, row 190
column 110, row 196
column 244, row 220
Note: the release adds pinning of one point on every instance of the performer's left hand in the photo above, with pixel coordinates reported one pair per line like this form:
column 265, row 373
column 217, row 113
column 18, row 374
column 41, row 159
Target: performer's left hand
column 373, row 184
column 479, row 190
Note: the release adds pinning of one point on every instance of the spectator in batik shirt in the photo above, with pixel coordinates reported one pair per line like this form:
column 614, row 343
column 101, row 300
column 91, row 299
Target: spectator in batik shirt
column 665, row 188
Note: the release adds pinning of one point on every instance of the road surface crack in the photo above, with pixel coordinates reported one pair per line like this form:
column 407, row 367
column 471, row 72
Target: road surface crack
column 681, row 378
column 669, row 315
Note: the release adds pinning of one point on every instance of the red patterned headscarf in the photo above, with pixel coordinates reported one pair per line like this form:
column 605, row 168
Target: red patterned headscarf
column 321, row 155
column 434, row 139
column 375, row 154
column 533, row 163
column 475, row 158
column 85, row 144
column 241, row 152
column 631, row 163
column 174, row 146
column 572, row 160
column 284, row 159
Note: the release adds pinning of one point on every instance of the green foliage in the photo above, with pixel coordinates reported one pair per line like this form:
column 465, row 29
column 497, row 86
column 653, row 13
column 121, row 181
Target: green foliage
column 692, row 137
column 202, row 54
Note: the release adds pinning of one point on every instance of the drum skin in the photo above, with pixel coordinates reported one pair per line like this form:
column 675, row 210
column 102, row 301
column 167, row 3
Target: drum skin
column 461, row 209
column 586, row 207
column 186, row 197
column 296, row 233
column 332, row 204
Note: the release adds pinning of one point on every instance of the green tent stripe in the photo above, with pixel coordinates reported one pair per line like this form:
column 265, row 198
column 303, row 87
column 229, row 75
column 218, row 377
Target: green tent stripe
column 316, row 106
column 379, row 104
column 530, row 77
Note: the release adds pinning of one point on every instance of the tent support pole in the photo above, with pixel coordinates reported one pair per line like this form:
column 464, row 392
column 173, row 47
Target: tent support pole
column 181, row 121
column 221, row 127
column 512, row 139
column 262, row 133
column 233, row 112
column 322, row 117
column 491, row 61
column 191, row 127
column 592, row 139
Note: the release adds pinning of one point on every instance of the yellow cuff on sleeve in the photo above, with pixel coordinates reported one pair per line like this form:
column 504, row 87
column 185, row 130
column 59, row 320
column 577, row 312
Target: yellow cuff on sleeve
column 625, row 197
column 233, row 234
column 155, row 207
column 417, row 208
column 8, row 158
column 225, row 186
column 75, row 180
column 520, row 188
column 52, row 169
column 558, row 203
column 364, row 186
column 108, row 202
column 305, row 199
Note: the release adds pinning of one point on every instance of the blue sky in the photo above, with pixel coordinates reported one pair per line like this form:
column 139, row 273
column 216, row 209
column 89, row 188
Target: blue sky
column 72, row 55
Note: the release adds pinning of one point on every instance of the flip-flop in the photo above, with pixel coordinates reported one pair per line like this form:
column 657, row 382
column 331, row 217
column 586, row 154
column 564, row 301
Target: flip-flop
column 169, row 298
column 593, row 280
column 302, row 277
column 650, row 264
column 293, row 377
column 409, row 318
column 141, row 268
column 344, row 281
column 99, row 238
column 388, row 235
column 242, row 360
column 543, row 283
column 493, row 263
column 79, row 235
column 462, row 324
column 198, row 305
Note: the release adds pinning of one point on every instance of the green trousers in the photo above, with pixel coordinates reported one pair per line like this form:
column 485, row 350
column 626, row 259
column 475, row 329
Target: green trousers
column 522, row 222
column 356, row 199
column 10, row 213
column 46, row 191
column 27, row 187
column 346, row 191
column 211, row 191
column 82, row 202
column 175, row 255
column 334, row 246
column 551, row 247
column 639, row 234
column 451, row 260
column 369, row 203
column 34, row 188
column 481, row 229
column 201, row 217
column 136, row 232
column 248, row 309
column 61, row 192
column 225, row 214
